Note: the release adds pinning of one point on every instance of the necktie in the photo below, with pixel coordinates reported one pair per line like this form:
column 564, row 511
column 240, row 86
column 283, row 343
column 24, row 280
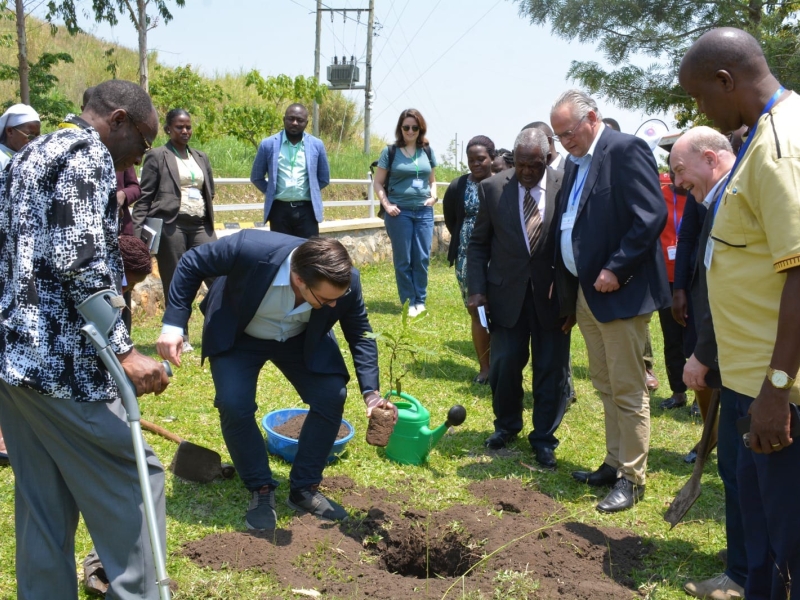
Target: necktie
column 533, row 220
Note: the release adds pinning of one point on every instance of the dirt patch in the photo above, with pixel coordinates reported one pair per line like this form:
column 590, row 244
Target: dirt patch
column 292, row 427
column 521, row 545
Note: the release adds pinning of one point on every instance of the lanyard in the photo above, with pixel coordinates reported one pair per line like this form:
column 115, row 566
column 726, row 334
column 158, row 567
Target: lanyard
column 675, row 210
column 577, row 189
column 186, row 163
column 293, row 160
column 416, row 163
column 746, row 145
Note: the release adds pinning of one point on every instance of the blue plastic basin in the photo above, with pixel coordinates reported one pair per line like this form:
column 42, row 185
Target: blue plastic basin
column 286, row 447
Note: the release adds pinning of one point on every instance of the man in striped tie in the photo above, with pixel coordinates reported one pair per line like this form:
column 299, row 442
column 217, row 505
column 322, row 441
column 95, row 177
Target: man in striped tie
column 510, row 273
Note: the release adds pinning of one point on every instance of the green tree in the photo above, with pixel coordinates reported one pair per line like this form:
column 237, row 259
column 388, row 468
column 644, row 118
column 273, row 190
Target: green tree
column 183, row 88
column 45, row 97
column 107, row 10
column 253, row 123
column 626, row 31
column 340, row 119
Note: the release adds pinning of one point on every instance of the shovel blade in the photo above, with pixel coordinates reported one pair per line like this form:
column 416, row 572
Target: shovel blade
column 683, row 501
column 195, row 463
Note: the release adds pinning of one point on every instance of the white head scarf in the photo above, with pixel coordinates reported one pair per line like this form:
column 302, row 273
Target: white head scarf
column 19, row 114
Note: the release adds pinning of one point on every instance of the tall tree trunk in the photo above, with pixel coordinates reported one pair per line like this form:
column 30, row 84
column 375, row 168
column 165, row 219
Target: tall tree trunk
column 142, row 27
column 22, row 55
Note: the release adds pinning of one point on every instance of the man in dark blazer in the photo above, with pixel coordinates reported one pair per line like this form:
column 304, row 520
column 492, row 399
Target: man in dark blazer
column 702, row 159
column 610, row 273
column 276, row 298
column 510, row 274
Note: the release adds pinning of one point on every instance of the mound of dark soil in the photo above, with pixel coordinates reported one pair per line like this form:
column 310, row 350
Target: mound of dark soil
column 521, row 540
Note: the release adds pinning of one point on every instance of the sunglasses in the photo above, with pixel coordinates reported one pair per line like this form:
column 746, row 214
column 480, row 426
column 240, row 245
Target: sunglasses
column 147, row 145
column 28, row 136
column 414, row 128
column 327, row 302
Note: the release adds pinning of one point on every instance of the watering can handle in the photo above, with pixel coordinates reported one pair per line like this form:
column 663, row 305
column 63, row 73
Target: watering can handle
column 407, row 398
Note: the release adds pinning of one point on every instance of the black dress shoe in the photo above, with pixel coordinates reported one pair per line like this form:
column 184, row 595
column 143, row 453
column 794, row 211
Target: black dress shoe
column 605, row 475
column 622, row 496
column 546, row 457
column 499, row 439
column 677, row 400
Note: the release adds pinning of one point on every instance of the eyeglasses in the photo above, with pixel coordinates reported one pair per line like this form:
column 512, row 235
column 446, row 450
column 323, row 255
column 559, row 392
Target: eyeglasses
column 28, row 136
column 571, row 133
column 327, row 302
column 147, row 145
column 414, row 128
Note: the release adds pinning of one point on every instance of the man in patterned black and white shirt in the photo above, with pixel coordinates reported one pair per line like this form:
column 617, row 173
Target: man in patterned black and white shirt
column 65, row 427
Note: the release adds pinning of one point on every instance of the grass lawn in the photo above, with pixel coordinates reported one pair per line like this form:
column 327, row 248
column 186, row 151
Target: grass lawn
column 440, row 380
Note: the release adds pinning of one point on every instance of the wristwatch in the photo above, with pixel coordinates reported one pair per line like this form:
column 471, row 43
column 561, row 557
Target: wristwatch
column 779, row 379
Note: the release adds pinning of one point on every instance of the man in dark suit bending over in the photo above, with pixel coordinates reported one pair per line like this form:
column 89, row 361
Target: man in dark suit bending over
column 510, row 273
column 276, row 298
column 610, row 272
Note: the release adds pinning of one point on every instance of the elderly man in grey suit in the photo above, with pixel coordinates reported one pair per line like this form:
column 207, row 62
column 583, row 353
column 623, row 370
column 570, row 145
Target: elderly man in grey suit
column 510, row 273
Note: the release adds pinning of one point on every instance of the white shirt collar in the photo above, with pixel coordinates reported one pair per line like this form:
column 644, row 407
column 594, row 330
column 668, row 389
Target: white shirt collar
column 587, row 158
column 709, row 199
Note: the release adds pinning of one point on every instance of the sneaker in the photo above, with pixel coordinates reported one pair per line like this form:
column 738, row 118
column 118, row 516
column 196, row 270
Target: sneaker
column 412, row 311
column 720, row 587
column 187, row 347
column 420, row 309
column 310, row 500
column 261, row 512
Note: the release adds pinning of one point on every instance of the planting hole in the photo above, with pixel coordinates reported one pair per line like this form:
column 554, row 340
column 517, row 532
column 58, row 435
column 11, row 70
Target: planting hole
column 411, row 553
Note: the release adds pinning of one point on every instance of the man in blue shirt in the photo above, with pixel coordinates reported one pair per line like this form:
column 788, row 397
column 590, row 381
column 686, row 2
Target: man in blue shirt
column 298, row 170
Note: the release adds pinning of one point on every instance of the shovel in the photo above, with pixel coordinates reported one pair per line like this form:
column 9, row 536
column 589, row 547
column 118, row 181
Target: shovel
column 192, row 462
column 691, row 490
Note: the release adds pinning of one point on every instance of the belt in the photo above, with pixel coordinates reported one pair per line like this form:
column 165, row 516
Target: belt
column 294, row 203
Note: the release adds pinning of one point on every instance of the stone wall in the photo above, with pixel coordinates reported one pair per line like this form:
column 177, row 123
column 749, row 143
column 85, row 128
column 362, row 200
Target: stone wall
column 365, row 240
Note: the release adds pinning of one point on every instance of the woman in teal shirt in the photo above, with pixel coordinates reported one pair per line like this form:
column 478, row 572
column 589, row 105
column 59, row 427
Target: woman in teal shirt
column 405, row 184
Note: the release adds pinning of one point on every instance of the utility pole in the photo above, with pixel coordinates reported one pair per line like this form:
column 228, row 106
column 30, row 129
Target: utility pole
column 315, row 111
column 368, row 94
column 335, row 70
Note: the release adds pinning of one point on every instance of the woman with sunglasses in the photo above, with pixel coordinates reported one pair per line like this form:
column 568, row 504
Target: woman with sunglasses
column 177, row 187
column 460, row 206
column 405, row 184
column 18, row 126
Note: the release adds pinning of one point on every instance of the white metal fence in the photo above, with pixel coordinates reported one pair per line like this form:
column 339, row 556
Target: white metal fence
column 371, row 201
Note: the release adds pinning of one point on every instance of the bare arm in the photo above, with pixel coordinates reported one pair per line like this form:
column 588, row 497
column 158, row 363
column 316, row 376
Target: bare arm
column 379, row 185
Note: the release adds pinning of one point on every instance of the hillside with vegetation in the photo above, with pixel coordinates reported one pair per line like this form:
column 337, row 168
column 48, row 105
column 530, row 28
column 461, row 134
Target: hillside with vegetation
column 231, row 112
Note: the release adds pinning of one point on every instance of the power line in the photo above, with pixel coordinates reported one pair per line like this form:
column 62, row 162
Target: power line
column 442, row 55
column 421, row 27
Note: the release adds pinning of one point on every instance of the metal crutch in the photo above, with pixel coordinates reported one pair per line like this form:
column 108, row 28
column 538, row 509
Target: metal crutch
column 100, row 311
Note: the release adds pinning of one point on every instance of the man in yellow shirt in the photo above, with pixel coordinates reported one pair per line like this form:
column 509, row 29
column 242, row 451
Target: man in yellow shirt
column 752, row 262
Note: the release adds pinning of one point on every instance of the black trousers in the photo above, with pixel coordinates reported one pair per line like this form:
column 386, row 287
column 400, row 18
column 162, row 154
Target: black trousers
column 676, row 340
column 509, row 356
column 293, row 218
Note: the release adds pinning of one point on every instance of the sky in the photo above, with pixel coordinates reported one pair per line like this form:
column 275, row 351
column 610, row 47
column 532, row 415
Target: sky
column 471, row 67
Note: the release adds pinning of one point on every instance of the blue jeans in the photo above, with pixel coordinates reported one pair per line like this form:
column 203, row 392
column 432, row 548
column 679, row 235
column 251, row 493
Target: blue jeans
column 235, row 375
column 410, row 233
column 728, row 442
column 769, row 488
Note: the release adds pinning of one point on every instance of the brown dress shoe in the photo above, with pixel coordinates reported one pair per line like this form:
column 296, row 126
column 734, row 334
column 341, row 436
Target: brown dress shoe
column 652, row 380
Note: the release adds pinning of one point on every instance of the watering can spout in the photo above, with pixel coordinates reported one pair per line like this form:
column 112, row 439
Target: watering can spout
column 455, row 417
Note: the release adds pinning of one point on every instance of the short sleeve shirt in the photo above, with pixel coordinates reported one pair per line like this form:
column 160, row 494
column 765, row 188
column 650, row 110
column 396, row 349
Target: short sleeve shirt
column 756, row 237
column 405, row 170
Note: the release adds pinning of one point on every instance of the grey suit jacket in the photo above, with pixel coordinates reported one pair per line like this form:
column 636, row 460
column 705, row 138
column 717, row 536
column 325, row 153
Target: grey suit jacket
column 498, row 262
column 161, row 190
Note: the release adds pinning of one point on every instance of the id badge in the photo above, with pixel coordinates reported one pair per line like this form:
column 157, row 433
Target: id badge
column 671, row 252
column 194, row 194
column 567, row 222
column 709, row 253
column 417, row 184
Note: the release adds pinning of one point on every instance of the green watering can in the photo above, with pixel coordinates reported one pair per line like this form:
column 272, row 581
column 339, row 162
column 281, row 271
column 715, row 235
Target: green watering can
column 412, row 440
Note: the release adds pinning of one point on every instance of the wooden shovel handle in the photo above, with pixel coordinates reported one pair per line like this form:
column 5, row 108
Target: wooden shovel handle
column 160, row 431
